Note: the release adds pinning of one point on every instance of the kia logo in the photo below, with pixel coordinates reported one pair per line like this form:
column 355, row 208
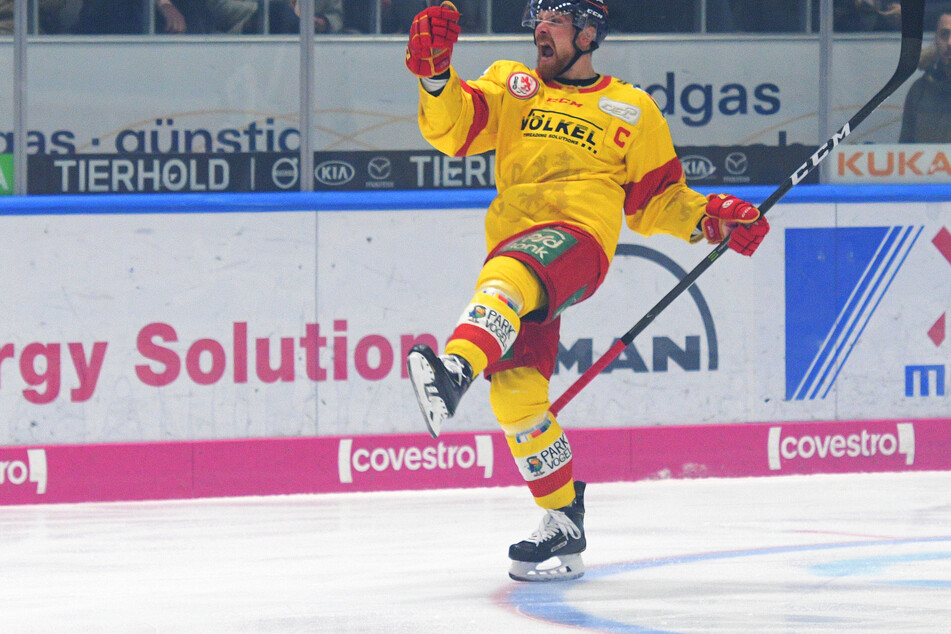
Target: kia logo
column 698, row 167
column 379, row 168
column 334, row 173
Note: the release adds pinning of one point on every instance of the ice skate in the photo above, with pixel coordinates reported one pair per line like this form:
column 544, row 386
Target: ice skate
column 439, row 383
column 553, row 552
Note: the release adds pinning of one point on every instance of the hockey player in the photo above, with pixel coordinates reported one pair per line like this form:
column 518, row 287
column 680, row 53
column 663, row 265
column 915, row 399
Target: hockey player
column 577, row 152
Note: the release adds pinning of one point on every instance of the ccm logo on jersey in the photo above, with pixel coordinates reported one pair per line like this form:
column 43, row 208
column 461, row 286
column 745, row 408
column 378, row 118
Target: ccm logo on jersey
column 623, row 111
column 522, row 85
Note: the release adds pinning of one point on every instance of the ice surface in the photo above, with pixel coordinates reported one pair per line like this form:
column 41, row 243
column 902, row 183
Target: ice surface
column 861, row 552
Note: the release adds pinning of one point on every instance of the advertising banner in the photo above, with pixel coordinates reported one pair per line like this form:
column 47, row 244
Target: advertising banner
column 358, row 170
column 163, row 470
column 6, row 174
column 892, row 163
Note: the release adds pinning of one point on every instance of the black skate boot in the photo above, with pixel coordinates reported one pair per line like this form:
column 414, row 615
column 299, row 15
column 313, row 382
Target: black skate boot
column 553, row 552
column 439, row 383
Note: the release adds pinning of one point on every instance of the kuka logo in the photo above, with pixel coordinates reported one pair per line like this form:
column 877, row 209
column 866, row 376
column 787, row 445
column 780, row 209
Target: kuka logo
column 857, row 446
column 413, row 458
column 17, row 472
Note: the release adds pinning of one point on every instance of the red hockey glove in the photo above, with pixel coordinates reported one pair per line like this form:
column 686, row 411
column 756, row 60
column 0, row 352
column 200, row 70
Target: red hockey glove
column 729, row 216
column 431, row 37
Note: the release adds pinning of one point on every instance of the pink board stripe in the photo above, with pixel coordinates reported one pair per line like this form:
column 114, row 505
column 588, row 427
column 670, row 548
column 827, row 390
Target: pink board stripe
column 156, row 471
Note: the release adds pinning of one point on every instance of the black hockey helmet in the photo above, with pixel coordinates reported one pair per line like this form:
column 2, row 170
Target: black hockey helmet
column 584, row 13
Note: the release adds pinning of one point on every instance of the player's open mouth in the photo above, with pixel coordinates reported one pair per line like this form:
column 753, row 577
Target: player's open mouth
column 546, row 51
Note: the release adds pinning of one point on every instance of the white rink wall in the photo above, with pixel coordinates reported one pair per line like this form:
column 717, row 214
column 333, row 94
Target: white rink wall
column 250, row 316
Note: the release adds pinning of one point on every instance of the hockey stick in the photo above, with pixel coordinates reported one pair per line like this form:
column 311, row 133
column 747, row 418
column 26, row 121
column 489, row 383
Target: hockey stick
column 912, row 32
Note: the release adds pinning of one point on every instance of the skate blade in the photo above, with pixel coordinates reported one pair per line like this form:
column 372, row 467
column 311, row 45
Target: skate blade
column 433, row 408
column 563, row 568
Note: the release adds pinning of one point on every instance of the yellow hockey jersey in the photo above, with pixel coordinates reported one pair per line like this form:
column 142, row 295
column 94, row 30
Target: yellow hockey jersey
column 587, row 156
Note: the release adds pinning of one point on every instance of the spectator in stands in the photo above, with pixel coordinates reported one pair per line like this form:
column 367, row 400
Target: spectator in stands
column 927, row 114
column 472, row 14
column 55, row 16
column 507, row 16
column 245, row 16
column 632, row 16
column 359, row 16
column 203, row 16
column 397, row 15
column 284, row 17
column 866, row 15
column 129, row 17
column 110, row 17
column 769, row 16
column 647, row 16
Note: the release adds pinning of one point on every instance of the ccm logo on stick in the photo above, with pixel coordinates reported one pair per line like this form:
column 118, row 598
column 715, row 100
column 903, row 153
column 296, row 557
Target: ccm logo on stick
column 862, row 445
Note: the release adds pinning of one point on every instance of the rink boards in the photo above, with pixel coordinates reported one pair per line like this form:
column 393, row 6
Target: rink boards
column 156, row 347
column 144, row 471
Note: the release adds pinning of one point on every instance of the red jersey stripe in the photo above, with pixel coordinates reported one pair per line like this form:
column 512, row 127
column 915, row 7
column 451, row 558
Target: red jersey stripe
column 601, row 85
column 655, row 182
column 479, row 118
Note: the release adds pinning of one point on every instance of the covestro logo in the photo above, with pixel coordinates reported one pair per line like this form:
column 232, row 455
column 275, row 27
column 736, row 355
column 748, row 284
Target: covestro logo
column 397, row 458
column 20, row 470
column 864, row 445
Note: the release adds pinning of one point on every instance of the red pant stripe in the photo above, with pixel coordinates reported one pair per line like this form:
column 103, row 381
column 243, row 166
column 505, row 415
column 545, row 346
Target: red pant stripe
column 551, row 483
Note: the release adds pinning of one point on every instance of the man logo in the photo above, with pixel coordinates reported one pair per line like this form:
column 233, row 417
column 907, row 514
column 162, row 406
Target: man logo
column 334, row 173
column 698, row 167
column 737, row 164
column 379, row 168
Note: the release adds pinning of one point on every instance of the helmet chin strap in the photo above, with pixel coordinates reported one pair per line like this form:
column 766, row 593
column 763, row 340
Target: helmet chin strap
column 578, row 53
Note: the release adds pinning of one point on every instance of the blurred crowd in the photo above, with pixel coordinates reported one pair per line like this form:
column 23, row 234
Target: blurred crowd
column 91, row 17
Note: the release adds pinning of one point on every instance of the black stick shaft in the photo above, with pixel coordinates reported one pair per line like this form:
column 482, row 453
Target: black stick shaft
column 912, row 31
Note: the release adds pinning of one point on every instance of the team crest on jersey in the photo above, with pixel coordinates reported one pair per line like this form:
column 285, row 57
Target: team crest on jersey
column 522, row 85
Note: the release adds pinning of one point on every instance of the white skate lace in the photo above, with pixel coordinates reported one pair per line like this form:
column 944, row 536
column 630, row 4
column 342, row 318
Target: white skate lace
column 454, row 366
column 553, row 523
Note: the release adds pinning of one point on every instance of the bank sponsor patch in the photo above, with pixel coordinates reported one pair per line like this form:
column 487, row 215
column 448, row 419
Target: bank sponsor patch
column 545, row 245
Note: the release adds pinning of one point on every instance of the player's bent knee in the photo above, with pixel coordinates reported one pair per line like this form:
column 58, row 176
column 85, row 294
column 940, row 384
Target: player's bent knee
column 519, row 398
column 511, row 277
